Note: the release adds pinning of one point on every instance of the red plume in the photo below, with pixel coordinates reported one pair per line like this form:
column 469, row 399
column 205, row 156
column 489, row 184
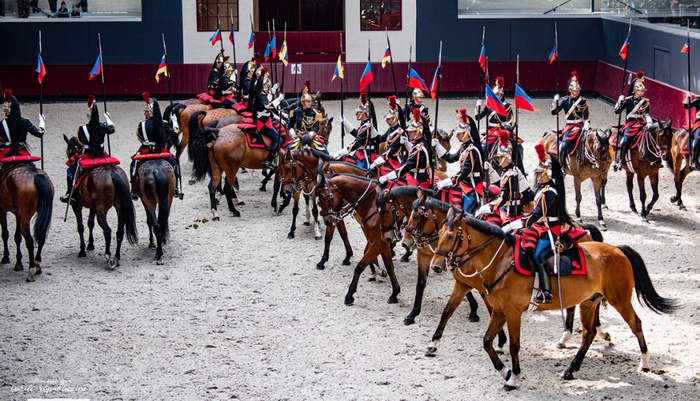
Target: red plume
column 503, row 138
column 574, row 73
column 640, row 74
column 146, row 97
column 392, row 102
column 500, row 82
column 363, row 98
column 416, row 115
column 308, row 86
column 263, row 71
column 91, row 100
column 463, row 116
column 7, row 95
column 226, row 58
column 539, row 148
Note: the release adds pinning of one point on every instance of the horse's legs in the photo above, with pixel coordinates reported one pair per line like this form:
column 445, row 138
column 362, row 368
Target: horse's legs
column 496, row 323
column 5, row 238
column 598, row 192
column 317, row 224
column 577, row 189
column 568, row 329
column 91, row 227
column 604, row 183
column 423, row 267
column 18, row 242
column 389, row 264
column 343, row 231
column 231, row 193
column 150, row 219
column 326, row 246
column 458, row 292
column 107, row 232
column 374, row 249
column 212, row 197
column 588, row 315
column 514, row 319
column 654, row 181
column 642, row 196
column 308, row 210
column 295, row 212
column 679, row 174
column 275, row 192
column 78, row 212
column 630, row 190
column 26, row 232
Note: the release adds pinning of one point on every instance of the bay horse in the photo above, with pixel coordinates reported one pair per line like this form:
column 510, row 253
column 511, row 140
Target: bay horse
column 678, row 162
column 482, row 254
column 645, row 161
column 591, row 160
column 99, row 190
column 154, row 183
column 25, row 191
column 182, row 113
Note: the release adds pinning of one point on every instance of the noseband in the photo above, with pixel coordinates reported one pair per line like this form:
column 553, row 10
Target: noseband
column 420, row 238
column 396, row 217
column 298, row 185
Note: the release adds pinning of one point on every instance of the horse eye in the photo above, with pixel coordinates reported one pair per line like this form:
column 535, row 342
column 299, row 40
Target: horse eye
column 450, row 237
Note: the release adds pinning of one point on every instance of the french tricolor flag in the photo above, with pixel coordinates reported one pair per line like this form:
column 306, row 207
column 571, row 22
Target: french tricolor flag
column 625, row 47
column 97, row 68
column 685, row 49
column 415, row 81
column 553, row 55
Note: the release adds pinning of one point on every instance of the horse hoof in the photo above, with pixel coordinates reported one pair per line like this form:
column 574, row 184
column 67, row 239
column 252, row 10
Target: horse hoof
column 392, row 300
column 240, row 203
column 5, row 260
column 409, row 321
column 112, row 263
column 290, row 236
column 37, row 269
column 567, row 376
column 681, row 207
column 431, row 351
column 216, row 218
column 346, row 262
column 81, row 254
column 508, row 387
column 306, row 223
column 645, row 220
column 404, row 258
column 262, row 189
column 160, row 261
column 674, row 199
column 603, row 226
column 605, row 207
column 349, row 301
column 192, row 181
column 318, row 237
column 18, row 267
column 152, row 245
column 30, row 276
column 90, row 247
column 474, row 318
column 236, row 214
column 320, row 266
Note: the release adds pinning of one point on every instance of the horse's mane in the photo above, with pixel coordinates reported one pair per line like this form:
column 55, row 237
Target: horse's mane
column 435, row 204
column 479, row 225
column 313, row 152
column 365, row 179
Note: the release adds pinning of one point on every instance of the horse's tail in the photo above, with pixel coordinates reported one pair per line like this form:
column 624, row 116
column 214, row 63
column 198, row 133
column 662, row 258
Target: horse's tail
column 44, row 207
column 592, row 229
column 163, row 203
column 199, row 150
column 193, row 127
column 128, row 213
column 213, row 124
column 643, row 286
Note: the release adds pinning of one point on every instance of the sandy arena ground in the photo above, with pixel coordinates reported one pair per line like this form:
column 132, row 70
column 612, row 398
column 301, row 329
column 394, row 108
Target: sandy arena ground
column 240, row 312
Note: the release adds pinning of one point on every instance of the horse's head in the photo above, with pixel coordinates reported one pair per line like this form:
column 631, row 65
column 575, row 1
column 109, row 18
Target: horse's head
column 449, row 237
column 328, row 199
column 71, row 146
column 601, row 145
column 325, row 127
column 665, row 137
column 391, row 215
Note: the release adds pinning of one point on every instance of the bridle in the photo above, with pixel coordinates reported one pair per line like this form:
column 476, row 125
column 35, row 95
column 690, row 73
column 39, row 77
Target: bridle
column 298, row 184
column 347, row 207
column 420, row 238
column 396, row 216
column 591, row 151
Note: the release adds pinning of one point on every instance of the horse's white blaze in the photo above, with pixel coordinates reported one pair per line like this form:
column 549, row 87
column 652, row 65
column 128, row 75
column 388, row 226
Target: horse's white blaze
column 513, row 381
column 565, row 337
column 504, row 372
column 644, row 362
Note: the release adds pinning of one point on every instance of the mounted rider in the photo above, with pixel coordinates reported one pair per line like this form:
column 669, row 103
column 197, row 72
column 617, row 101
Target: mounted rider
column 263, row 108
column 471, row 171
column 226, row 86
column 153, row 134
column 365, row 144
column 417, row 103
column 14, row 129
column 305, row 120
column 247, row 72
column 694, row 136
column 90, row 137
column 397, row 141
column 216, row 71
column 495, row 121
column 577, row 116
column 416, row 169
column 638, row 119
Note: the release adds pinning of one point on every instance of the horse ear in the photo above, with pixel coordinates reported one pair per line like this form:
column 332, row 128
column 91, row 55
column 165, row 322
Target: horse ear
column 330, row 120
column 450, row 136
column 419, row 194
column 460, row 214
column 65, row 138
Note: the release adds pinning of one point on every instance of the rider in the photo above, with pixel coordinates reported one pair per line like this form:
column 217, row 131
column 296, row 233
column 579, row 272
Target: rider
column 153, row 134
column 496, row 121
column 417, row 103
column 364, row 145
column 638, row 111
column 216, row 72
column 417, row 166
column 577, row 116
column 247, row 72
column 470, row 176
column 397, row 142
column 263, row 107
column 227, row 86
column 694, row 138
column 91, row 137
column 14, row 128
column 304, row 120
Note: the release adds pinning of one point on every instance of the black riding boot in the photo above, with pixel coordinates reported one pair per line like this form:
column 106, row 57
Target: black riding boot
column 134, row 166
column 623, row 155
column 545, row 295
column 178, row 177
column 268, row 164
column 694, row 158
column 69, row 184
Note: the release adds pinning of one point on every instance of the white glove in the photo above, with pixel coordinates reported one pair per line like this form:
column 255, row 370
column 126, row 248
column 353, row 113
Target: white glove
column 403, row 140
column 554, row 102
column 391, row 176
column 513, row 225
column 373, row 132
column 478, row 104
column 435, row 142
column 650, row 122
column 109, row 120
column 342, row 152
column 377, row 162
column 274, row 88
column 42, row 121
column 446, row 183
column 173, row 121
column 292, row 133
column 347, row 125
column 440, row 150
column 621, row 99
column 483, row 210
column 277, row 101
column 586, row 125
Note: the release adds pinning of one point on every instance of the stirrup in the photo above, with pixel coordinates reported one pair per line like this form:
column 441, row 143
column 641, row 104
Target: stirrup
column 66, row 198
column 544, row 297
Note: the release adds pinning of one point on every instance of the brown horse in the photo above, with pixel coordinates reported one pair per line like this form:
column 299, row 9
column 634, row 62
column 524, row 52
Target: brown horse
column 182, row 113
column 645, row 161
column 25, row 191
column 592, row 161
column 482, row 255
column 678, row 163
column 101, row 189
column 154, row 183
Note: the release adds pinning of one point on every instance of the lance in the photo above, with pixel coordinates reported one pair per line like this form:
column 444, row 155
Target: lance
column 408, row 75
column 299, row 52
column 170, row 96
column 690, row 122
column 104, row 92
column 437, row 104
column 481, row 83
column 252, row 32
column 391, row 61
column 273, row 51
column 41, row 103
column 622, row 92
column 556, row 78
column 269, row 48
column 342, row 96
column 513, row 209
column 369, row 90
column 286, row 48
column 218, row 27
column 235, row 64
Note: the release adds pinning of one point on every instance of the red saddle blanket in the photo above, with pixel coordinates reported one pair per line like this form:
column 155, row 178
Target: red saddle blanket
column 208, row 99
column 87, row 162
column 239, row 107
column 635, row 140
column 571, row 263
column 685, row 146
column 19, row 159
column 257, row 140
column 152, row 156
column 574, row 139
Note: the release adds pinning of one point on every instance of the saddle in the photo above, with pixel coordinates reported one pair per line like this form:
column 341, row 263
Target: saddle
column 685, row 145
column 23, row 157
column 571, row 263
column 257, row 140
column 574, row 138
column 87, row 164
column 640, row 132
column 209, row 100
column 152, row 156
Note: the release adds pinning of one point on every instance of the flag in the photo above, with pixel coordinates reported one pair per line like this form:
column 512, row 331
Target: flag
column 434, row 85
column 387, row 56
column 366, row 77
column 273, row 46
column 230, row 35
column 41, row 69
column 338, row 69
column 494, row 103
column 522, row 100
column 685, row 49
column 97, row 68
column 623, row 50
column 216, row 37
column 266, row 56
column 415, row 81
column 251, row 40
column 553, row 55
column 162, row 69
column 482, row 59
column 284, row 57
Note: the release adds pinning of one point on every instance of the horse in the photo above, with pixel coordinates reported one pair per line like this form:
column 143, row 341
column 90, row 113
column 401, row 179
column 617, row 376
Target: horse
column 182, row 113
column 675, row 159
column 645, row 161
column 154, row 183
column 591, row 160
column 25, row 191
column 482, row 255
column 99, row 190
column 425, row 220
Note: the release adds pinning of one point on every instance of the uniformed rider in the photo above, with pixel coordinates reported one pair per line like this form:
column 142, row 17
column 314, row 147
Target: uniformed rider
column 305, row 120
column 577, row 116
column 364, row 146
column 226, row 87
column 416, row 169
column 397, row 142
column 264, row 107
column 215, row 74
column 14, row 128
column 417, row 103
column 638, row 118
column 694, row 137
column 494, row 120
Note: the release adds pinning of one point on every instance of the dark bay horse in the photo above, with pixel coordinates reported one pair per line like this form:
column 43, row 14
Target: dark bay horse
column 678, row 162
column 155, row 183
column 482, row 254
column 645, row 161
column 101, row 189
column 591, row 160
column 25, row 191
column 182, row 113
